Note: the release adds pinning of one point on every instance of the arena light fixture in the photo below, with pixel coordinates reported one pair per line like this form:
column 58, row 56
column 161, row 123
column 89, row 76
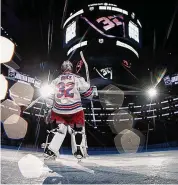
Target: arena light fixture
column 152, row 92
column 46, row 90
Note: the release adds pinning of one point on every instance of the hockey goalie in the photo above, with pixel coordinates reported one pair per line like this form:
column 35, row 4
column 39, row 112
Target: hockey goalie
column 67, row 112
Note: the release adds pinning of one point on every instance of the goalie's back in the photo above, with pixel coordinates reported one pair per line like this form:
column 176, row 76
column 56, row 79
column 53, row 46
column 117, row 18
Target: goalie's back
column 68, row 91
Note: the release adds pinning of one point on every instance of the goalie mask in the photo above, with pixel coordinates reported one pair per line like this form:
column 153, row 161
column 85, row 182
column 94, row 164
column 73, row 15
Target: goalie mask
column 66, row 66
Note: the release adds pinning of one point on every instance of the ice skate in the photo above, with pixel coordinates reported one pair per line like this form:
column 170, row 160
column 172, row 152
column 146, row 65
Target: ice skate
column 49, row 155
column 78, row 154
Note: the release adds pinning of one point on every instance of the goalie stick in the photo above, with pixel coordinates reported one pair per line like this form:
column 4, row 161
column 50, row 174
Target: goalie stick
column 33, row 103
column 40, row 97
column 88, row 80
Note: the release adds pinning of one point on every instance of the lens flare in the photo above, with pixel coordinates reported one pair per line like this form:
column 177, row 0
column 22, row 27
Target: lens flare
column 152, row 92
column 159, row 74
column 46, row 90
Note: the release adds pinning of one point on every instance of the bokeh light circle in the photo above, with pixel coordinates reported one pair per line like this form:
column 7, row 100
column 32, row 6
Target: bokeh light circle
column 31, row 166
column 7, row 49
column 129, row 141
column 120, row 120
column 3, row 87
column 22, row 93
column 111, row 96
column 15, row 127
column 8, row 108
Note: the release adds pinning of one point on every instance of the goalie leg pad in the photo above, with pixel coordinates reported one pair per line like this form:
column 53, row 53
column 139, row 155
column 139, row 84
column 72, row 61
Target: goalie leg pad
column 73, row 141
column 78, row 140
column 58, row 138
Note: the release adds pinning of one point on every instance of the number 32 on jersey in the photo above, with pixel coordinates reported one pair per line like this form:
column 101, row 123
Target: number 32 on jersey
column 65, row 90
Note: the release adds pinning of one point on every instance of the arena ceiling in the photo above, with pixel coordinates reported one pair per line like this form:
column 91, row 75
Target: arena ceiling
column 27, row 22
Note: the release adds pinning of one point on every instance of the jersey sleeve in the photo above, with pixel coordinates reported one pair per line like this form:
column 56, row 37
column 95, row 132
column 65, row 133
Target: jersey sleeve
column 84, row 88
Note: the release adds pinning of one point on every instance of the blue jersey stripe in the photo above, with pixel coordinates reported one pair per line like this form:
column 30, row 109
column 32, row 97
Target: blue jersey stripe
column 86, row 91
column 67, row 109
column 69, row 104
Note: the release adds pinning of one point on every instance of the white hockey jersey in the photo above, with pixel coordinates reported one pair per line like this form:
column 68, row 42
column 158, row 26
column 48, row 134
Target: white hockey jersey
column 68, row 89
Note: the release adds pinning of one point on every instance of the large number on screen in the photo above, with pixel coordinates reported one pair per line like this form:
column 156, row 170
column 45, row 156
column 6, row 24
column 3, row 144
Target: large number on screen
column 111, row 21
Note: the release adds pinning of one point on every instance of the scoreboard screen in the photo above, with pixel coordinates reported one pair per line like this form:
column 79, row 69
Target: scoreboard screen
column 102, row 22
column 133, row 31
column 70, row 32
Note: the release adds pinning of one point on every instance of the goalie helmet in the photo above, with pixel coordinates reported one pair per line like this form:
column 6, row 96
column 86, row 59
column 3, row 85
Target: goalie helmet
column 66, row 66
